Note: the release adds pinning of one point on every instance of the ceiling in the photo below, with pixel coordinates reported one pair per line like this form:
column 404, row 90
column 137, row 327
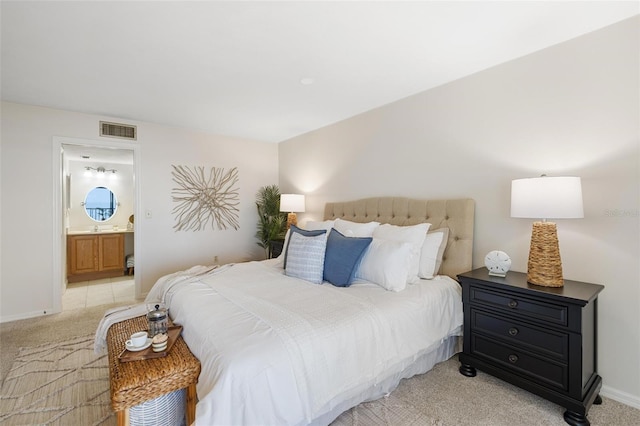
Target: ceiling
column 235, row 68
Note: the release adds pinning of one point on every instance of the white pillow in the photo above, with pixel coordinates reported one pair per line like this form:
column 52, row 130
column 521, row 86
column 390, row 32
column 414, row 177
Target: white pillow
column 305, row 257
column 313, row 225
column 414, row 235
column 354, row 229
column 386, row 263
column 432, row 252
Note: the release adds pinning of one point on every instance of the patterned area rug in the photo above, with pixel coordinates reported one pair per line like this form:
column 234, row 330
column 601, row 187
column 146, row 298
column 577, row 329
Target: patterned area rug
column 386, row 411
column 61, row 383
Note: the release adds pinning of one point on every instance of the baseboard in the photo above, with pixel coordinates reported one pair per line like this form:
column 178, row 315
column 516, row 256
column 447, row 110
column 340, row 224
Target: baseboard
column 26, row 315
column 623, row 397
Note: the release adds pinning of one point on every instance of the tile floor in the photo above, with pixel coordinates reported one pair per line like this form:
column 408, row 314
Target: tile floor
column 99, row 292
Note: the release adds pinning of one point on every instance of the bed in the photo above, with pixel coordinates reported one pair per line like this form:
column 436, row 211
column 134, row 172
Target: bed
column 277, row 349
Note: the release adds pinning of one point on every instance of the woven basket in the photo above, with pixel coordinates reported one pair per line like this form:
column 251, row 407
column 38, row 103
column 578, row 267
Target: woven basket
column 166, row 410
column 545, row 267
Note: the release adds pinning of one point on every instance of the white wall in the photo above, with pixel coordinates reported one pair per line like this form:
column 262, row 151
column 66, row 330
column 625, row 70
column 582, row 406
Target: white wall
column 572, row 109
column 27, row 199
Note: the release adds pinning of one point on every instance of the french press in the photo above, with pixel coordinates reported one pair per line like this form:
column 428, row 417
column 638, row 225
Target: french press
column 158, row 321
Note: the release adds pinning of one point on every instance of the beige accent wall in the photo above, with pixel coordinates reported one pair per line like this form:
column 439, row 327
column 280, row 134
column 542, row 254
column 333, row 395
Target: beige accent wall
column 572, row 109
column 27, row 228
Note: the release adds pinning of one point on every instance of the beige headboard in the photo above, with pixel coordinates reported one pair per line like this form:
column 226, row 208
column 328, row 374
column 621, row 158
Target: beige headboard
column 457, row 215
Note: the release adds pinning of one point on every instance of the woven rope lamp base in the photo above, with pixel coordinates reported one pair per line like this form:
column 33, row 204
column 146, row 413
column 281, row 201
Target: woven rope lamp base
column 545, row 267
column 292, row 219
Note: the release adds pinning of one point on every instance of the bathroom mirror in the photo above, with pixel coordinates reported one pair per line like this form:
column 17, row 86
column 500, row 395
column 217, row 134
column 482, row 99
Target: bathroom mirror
column 100, row 204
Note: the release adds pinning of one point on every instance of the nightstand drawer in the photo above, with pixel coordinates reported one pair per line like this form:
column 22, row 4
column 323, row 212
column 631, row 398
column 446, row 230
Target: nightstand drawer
column 535, row 368
column 532, row 308
column 545, row 342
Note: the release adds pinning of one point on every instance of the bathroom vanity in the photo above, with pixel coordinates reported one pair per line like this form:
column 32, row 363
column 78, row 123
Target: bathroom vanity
column 95, row 255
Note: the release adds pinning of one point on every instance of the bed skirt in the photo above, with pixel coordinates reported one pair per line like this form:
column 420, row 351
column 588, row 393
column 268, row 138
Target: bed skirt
column 442, row 352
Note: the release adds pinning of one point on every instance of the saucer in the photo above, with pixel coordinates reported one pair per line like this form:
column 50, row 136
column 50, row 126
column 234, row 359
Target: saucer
column 139, row 348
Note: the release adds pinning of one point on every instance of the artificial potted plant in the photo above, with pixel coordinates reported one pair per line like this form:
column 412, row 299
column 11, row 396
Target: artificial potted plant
column 272, row 223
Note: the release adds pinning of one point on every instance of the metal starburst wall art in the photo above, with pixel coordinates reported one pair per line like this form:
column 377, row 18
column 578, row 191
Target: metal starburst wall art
column 204, row 198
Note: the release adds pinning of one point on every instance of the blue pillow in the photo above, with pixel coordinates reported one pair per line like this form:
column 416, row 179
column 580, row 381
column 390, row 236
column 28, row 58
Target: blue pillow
column 303, row 232
column 342, row 256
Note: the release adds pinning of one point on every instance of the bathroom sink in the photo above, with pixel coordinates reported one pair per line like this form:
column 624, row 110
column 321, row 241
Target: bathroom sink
column 100, row 231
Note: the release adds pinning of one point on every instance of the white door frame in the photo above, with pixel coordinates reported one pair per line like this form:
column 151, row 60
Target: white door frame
column 59, row 233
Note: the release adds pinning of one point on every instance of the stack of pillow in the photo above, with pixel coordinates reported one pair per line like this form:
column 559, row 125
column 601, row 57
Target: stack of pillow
column 339, row 251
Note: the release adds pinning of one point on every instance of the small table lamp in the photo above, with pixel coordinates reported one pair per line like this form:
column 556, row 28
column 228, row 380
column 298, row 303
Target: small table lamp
column 292, row 203
column 544, row 198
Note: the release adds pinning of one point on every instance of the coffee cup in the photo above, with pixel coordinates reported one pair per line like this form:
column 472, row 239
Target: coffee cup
column 137, row 339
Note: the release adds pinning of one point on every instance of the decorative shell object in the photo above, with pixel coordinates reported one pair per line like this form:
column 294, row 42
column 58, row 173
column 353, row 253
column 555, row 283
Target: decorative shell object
column 498, row 263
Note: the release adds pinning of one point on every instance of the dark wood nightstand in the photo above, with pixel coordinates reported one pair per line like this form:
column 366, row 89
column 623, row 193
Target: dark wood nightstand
column 276, row 248
column 542, row 339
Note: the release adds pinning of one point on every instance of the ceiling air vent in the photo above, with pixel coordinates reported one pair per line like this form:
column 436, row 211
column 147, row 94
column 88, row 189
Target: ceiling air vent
column 116, row 130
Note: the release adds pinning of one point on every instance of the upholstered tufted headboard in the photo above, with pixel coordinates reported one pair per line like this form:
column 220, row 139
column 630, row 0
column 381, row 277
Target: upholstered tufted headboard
column 457, row 215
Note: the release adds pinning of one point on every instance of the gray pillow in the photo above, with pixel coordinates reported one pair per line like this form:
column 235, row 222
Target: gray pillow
column 306, row 257
column 303, row 232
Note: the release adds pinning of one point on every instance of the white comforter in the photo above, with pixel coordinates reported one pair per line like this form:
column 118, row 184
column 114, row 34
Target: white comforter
column 276, row 350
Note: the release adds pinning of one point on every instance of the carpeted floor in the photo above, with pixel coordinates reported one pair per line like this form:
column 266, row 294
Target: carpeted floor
column 438, row 398
column 445, row 397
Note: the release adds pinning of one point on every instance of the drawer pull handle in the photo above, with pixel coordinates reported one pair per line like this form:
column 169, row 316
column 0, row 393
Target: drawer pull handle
column 513, row 304
column 513, row 331
column 513, row 358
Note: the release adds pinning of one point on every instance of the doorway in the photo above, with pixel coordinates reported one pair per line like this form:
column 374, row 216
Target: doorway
column 106, row 241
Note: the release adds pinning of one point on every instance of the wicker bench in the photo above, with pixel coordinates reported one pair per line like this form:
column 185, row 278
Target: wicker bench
column 135, row 382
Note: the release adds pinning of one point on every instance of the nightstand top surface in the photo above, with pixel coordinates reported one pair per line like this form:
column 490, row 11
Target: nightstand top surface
column 576, row 290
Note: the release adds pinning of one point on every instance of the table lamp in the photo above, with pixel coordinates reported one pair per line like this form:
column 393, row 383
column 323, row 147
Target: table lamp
column 546, row 198
column 292, row 203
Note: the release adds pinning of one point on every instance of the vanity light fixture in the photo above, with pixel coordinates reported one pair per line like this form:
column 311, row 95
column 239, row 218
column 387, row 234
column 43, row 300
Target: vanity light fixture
column 100, row 170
